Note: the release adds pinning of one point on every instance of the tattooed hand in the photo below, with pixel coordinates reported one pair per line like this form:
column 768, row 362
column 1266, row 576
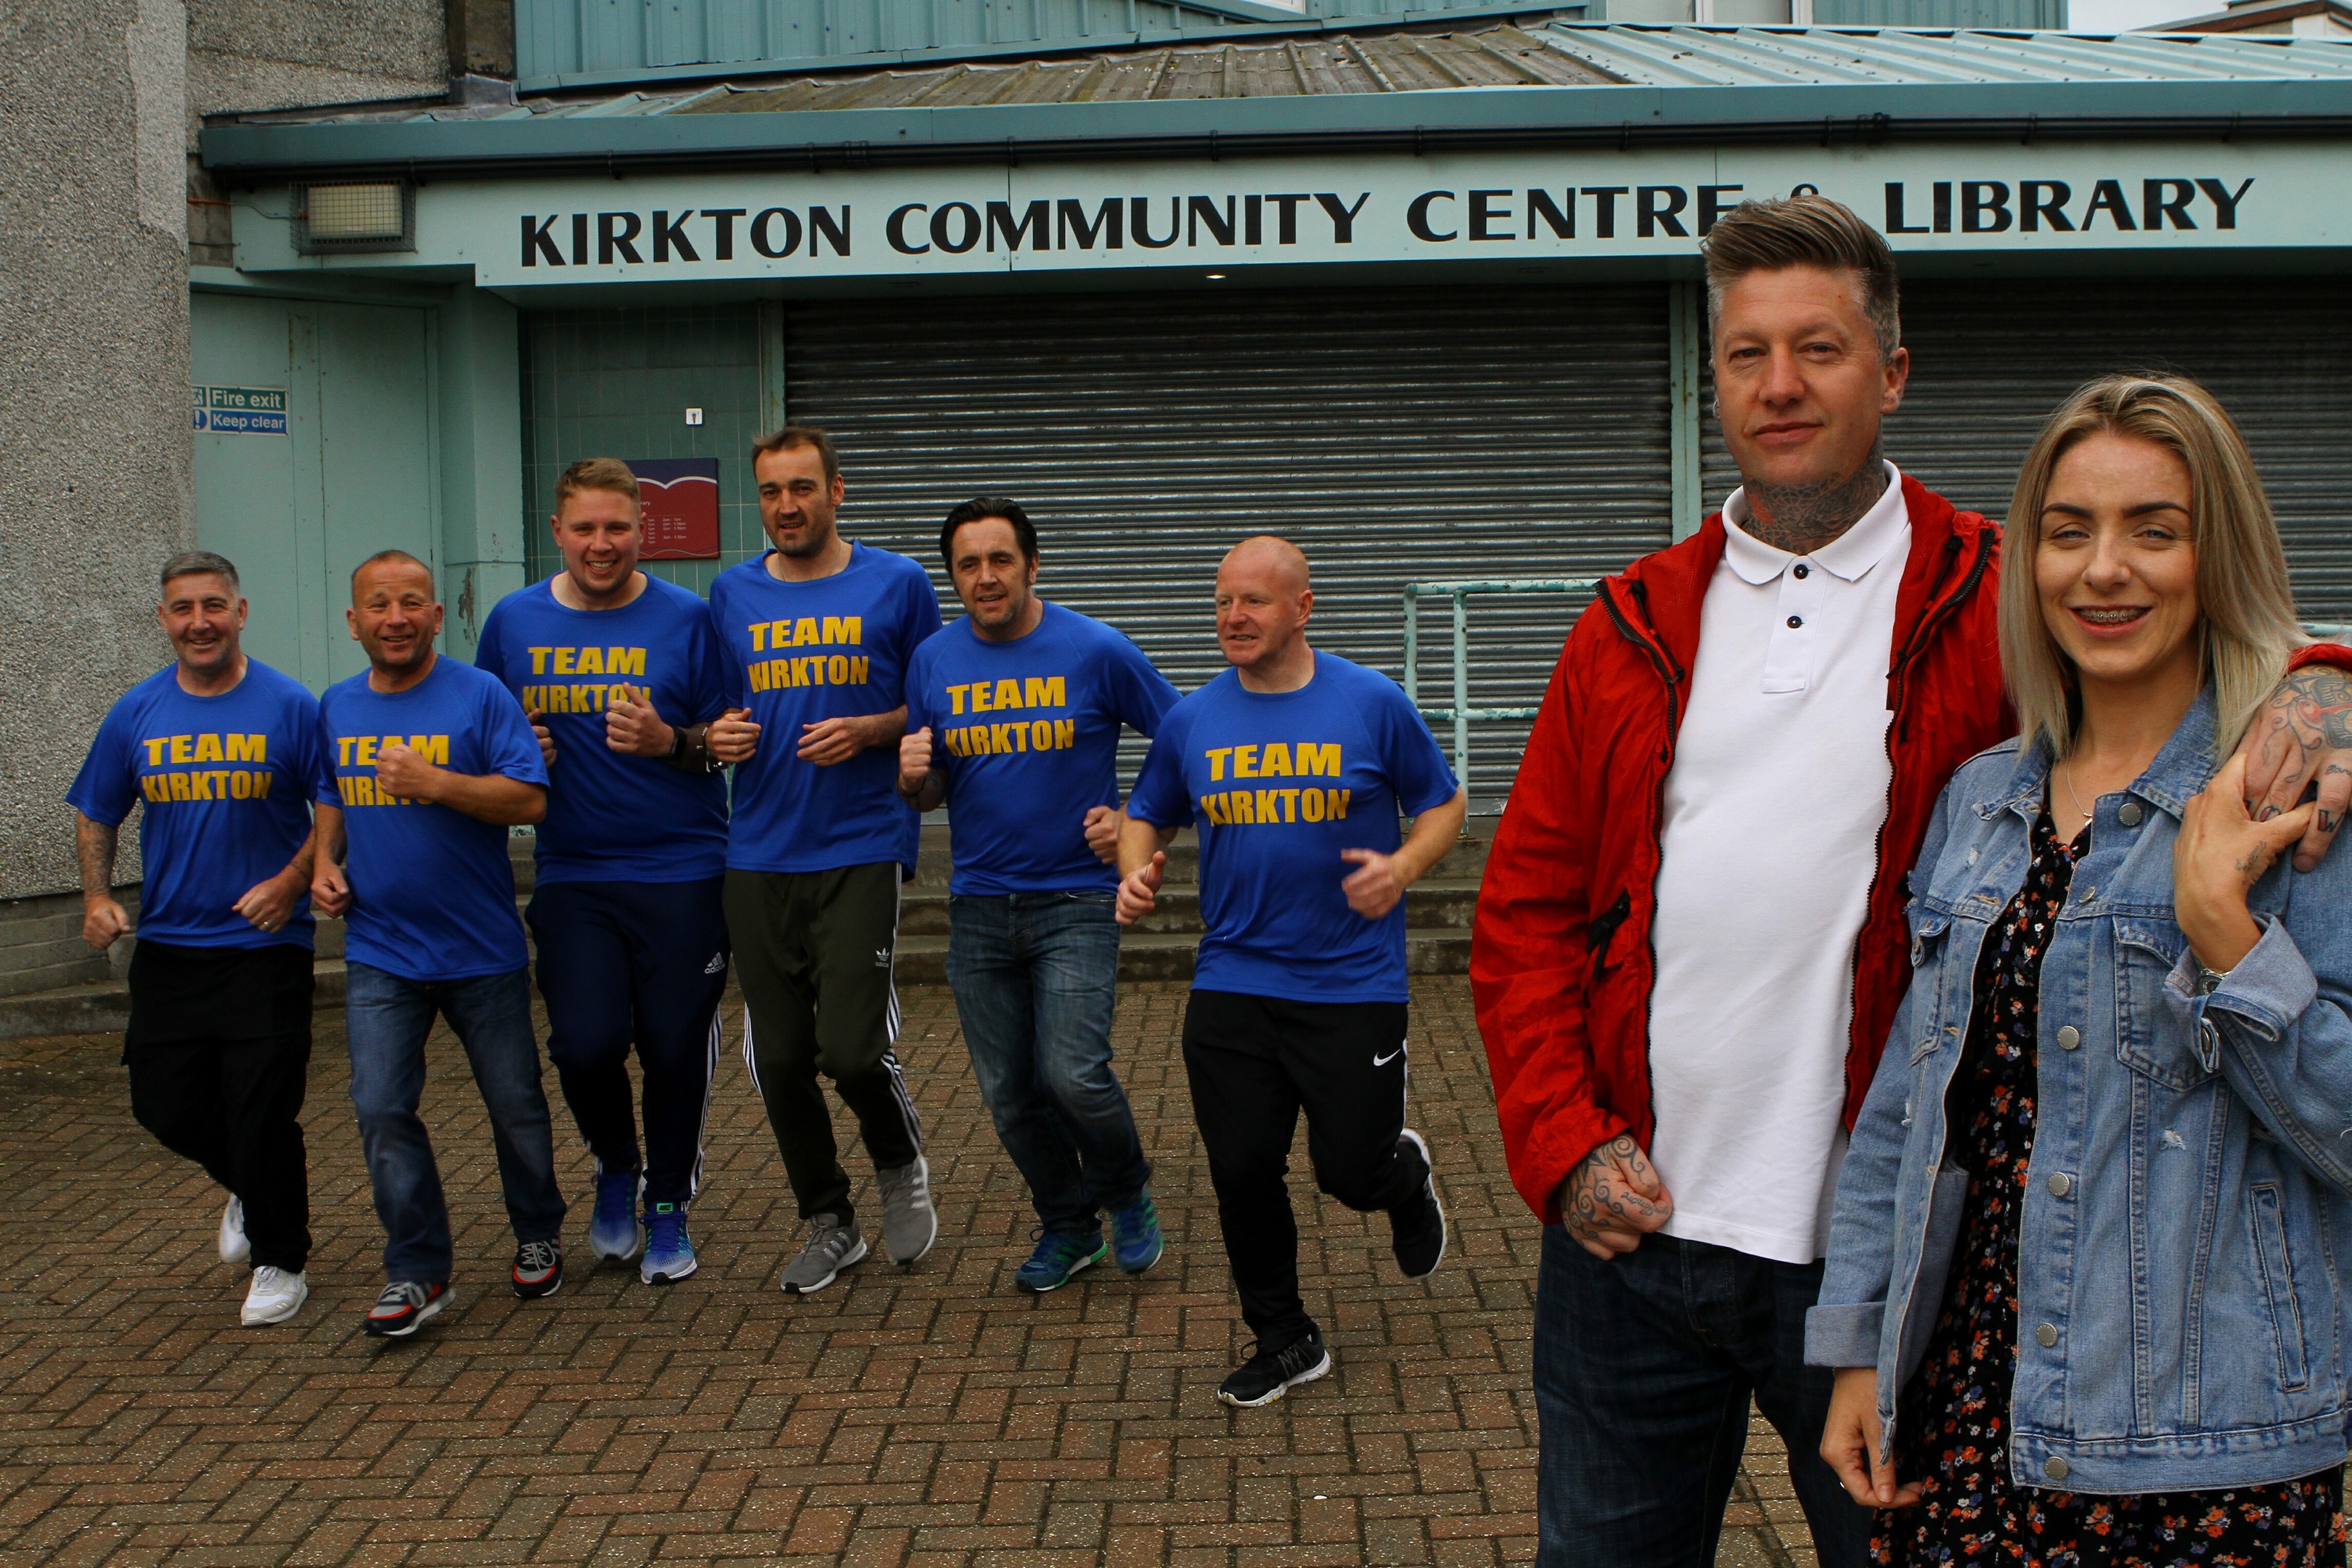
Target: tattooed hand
column 1613, row 1198
column 2302, row 737
column 2220, row 855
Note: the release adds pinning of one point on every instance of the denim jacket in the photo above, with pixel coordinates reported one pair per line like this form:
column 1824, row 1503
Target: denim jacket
column 2181, row 1321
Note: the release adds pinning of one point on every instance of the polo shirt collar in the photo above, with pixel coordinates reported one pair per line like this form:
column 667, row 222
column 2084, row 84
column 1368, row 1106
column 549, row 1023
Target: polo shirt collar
column 1849, row 557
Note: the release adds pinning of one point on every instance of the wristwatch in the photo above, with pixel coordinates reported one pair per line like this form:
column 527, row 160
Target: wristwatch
column 677, row 743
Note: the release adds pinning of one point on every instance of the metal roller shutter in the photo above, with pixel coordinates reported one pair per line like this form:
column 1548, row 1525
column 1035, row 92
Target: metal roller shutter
column 1393, row 436
column 1991, row 360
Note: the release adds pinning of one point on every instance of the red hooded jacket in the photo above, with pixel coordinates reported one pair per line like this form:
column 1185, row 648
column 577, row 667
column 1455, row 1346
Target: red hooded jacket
column 1560, row 962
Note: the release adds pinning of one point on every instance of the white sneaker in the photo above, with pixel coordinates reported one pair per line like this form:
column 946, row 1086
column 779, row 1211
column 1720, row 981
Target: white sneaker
column 234, row 1247
column 275, row 1296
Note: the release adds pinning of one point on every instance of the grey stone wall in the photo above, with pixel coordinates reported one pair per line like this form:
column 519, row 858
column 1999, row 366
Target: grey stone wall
column 96, row 202
column 249, row 55
column 93, row 305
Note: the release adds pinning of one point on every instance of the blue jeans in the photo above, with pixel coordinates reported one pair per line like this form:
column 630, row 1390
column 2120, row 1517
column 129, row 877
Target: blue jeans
column 1036, row 978
column 1644, row 1366
column 387, row 1019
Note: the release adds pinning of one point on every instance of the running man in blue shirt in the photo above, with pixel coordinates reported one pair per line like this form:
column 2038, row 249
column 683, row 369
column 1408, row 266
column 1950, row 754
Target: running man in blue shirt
column 220, row 751
column 427, row 763
column 818, row 632
column 1013, row 715
column 1295, row 764
column 625, row 913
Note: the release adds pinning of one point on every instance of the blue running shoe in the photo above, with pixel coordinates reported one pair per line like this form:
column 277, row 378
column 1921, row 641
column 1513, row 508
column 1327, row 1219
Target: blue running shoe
column 670, row 1251
column 1135, row 1235
column 615, row 1233
column 1059, row 1255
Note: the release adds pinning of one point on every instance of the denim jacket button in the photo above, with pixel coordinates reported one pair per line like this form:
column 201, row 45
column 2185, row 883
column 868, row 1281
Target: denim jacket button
column 2061, row 1184
column 2054, row 1467
column 2045, row 1335
column 2129, row 814
column 2069, row 1037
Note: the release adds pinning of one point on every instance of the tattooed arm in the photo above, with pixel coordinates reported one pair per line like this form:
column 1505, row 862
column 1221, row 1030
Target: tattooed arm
column 103, row 918
column 1613, row 1198
column 2302, row 737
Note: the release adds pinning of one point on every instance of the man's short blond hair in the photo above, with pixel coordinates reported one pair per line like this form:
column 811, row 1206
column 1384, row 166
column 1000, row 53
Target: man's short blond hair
column 1810, row 230
column 595, row 474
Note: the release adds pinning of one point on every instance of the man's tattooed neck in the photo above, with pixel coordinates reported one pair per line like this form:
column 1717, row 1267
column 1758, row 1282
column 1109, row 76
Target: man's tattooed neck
column 1801, row 519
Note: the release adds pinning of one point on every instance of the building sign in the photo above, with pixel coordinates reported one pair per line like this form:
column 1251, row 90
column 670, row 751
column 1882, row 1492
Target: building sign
column 680, row 500
column 240, row 410
column 2051, row 200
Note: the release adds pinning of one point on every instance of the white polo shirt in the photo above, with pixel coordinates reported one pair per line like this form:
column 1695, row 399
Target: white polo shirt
column 1771, row 832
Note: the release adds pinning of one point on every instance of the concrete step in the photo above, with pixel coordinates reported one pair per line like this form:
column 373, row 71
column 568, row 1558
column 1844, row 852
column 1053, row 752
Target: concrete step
column 1433, row 902
column 1466, row 860
column 103, row 1006
column 1168, row 955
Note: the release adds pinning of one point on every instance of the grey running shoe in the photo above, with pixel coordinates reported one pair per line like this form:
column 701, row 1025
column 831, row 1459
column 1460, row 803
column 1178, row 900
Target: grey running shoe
column 909, row 1222
column 831, row 1247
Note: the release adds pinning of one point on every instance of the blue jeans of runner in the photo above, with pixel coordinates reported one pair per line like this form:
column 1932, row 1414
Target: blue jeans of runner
column 1644, row 1367
column 1036, row 978
column 387, row 1019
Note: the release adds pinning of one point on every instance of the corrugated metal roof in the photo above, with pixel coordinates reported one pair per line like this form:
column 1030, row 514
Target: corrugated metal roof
column 1391, row 60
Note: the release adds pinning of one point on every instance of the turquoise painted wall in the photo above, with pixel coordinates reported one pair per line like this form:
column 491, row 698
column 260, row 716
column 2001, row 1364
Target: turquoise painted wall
column 357, row 469
column 617, row 384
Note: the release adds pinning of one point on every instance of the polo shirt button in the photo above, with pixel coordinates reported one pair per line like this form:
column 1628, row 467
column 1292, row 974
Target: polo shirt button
column 2129, row 813
column 1796, row 620
column 2069, row 1037
column 2045, row 1335
column 2054, row 1467
column 2061, row 1184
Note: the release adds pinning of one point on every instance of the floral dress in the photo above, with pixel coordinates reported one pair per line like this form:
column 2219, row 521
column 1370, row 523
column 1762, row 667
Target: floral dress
column 1952, row 1421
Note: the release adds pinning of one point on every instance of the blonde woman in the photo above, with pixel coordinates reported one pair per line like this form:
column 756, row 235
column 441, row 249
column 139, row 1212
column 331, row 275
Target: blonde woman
column 2082, row 1283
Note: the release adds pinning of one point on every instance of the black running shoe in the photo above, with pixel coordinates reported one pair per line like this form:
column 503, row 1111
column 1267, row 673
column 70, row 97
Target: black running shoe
column 1417, row 1227
column 538, row 1269
column 1269, row 1374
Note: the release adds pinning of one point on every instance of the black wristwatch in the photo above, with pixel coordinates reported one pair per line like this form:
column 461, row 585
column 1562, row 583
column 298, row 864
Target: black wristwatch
column 677, row 743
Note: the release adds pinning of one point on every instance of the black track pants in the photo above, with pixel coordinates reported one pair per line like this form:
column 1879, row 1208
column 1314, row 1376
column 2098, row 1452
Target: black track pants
column 814, row 951
column 1255, row 1063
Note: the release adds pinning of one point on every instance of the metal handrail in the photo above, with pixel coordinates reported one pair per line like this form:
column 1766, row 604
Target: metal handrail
column 1458, row 593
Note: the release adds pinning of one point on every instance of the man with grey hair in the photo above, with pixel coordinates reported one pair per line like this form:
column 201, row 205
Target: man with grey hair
column 1691, row 940
column 221, row 751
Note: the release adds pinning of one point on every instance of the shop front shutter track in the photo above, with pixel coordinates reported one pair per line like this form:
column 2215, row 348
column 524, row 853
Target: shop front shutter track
column 1395, row 437
column 1989, row 361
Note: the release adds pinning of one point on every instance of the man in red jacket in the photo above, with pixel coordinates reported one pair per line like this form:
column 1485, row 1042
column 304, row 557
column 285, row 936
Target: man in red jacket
column 1690, row 942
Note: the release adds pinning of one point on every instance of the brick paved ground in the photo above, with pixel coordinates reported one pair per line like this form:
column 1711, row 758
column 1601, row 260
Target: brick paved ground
column 934, row 1417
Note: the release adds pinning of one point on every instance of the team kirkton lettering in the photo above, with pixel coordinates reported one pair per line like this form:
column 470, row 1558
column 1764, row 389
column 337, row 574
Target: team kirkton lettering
column 1027, row 733
column 1280, row 785
column 612, row 816
column 225, row 783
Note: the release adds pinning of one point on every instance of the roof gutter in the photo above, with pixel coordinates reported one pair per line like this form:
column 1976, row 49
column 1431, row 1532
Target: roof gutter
column 1415, row 122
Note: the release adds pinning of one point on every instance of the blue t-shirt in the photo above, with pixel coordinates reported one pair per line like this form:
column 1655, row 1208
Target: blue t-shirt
column 611, row 818
column 800, row 652
column 433, row 894
column 227, row 781
column 1278, row 784
column 1027, row 732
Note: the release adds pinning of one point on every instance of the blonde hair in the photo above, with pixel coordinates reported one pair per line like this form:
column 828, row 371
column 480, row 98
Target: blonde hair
column 595, row 474
column 2246, row 625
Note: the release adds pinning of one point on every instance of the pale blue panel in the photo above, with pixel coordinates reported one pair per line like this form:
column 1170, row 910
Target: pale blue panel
column 675, row 32
column 246, row 503
column 380, row 479
column 2001, row 14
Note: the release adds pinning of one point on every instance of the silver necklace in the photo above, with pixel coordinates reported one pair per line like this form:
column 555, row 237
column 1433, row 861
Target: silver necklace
column 2068, row 768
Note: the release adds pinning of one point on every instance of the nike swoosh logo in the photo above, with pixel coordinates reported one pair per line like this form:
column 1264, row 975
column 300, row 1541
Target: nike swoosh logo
column 1383, row 1061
